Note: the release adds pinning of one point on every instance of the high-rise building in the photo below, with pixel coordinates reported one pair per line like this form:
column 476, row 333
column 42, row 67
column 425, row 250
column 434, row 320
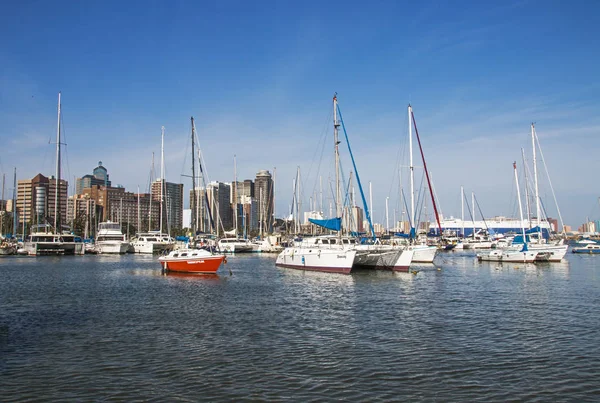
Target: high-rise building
column 116, row 204
column 99, row 177
column 243, row 189
column 172, row 198
column 200, row 211
column 37, row 202
column 219, row 196
column 264, row 194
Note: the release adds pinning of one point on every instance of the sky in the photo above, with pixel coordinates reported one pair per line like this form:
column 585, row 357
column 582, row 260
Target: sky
column 259, row 78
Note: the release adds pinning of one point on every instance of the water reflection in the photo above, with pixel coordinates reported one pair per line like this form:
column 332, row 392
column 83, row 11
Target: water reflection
column 191, row 276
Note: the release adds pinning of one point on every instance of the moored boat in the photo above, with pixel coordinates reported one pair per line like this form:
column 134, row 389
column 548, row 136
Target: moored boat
column 586, row 246
column 235, row 245
column 111, row 239
column 191, row 261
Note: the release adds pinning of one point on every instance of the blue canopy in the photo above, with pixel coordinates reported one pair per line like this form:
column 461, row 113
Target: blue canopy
column 519, row 239
column 411, row 234
column 334, row 224
column 533, row 230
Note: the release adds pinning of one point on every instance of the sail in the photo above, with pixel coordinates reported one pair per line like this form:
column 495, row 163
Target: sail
column 334, row 224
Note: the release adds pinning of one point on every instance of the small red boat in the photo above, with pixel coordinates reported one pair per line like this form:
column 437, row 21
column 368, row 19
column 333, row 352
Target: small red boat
column 191, row 261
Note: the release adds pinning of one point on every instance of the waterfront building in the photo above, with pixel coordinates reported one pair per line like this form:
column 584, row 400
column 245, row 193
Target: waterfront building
column 118, row 205
column 249, row 209
column 243, row 189
column 219, row 199
column 99, row 177
column 81, row 214
column 172, row 194
column 36, row 200
column 353, row 219
column 264, row 192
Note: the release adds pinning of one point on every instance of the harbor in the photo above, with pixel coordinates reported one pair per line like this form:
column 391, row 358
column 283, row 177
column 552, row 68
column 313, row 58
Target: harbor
column 299, row 201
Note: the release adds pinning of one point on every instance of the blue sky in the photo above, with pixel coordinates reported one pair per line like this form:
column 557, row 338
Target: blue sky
column 259, row 78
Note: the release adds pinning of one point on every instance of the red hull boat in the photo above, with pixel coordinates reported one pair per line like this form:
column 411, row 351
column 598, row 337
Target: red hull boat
column 191, row 261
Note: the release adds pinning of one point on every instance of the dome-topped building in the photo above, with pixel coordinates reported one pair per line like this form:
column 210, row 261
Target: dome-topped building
column 101, row 173
column 99, row 177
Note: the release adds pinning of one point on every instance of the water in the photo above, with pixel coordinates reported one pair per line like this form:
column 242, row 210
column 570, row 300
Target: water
column 96, row 328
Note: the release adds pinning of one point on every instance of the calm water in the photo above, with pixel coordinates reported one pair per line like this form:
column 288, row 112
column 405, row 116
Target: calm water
column 97, row 328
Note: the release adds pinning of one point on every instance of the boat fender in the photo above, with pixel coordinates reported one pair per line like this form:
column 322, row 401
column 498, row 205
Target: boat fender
column 303, row 260
column 225, row 260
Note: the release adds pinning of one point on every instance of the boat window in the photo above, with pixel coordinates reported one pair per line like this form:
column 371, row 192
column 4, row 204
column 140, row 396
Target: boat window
column 333, row 241
column 175, row 255
column 183, row 254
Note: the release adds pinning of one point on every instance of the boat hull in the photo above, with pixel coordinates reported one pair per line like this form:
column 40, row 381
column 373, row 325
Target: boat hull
column 509, row 256
column 54, row 248
column 209, row 264
column 384, row 258
column 423, row 254
column 588, row 251
column 315, row 259
column 112, row 247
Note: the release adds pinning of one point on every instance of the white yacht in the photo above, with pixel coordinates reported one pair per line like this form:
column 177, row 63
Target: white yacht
column 235, row 245
column 153, row 242
column 111, row 239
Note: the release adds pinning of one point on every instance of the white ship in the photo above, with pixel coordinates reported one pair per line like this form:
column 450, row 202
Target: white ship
column 494, row 225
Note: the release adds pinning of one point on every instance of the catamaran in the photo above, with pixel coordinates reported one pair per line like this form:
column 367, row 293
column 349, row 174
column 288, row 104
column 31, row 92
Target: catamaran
column 45, row 239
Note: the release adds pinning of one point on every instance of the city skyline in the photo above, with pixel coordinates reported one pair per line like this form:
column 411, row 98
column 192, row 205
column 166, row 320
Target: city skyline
column 259, row 81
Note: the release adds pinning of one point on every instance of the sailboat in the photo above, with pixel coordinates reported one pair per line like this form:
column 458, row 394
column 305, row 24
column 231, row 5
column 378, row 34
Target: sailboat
column 156, row 241
column 524, row 255
column 423, row 253
column 326, row 253
column 45, row 239
column 553, row 252
column 232, row 243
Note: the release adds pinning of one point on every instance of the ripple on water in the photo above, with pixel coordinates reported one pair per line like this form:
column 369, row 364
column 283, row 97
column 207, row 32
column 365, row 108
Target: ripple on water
column 104, row 328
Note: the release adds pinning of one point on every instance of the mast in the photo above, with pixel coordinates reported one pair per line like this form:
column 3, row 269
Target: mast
column 235, row 217
column 462, row 210
column 337, row 158
column 193, row 206
column 272, row 217
column 535, row 178
column 431, row 192
column 520, row 207
column 473, row 212
column 15, row 205
column 387, row 215
column 336, row 142
column 370, row 201
column 56, row 198
column 260, row 214
column 412, row 169
column 526, row 190
column 162, row 174
column 138, row 210
column 3, row 206
column 150, row 208
column 298, row 200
